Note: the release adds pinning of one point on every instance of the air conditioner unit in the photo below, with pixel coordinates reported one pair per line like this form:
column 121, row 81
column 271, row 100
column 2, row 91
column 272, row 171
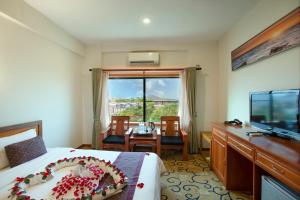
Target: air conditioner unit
column 143, row 58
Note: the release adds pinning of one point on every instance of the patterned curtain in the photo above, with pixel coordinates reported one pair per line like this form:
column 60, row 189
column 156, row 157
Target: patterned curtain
column 190, row 74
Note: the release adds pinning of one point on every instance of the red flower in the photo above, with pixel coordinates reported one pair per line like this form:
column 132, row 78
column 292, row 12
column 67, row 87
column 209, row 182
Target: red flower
column 140, row 185
column 19, row 179
column 81, row 162
column 122, row 175
column 15, row 188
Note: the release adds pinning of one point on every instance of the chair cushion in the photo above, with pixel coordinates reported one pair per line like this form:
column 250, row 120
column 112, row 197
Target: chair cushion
column 114, row 139
column 171, row 140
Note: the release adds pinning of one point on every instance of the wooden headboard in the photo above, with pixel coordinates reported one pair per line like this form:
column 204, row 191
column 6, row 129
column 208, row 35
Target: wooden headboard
column 18, row 128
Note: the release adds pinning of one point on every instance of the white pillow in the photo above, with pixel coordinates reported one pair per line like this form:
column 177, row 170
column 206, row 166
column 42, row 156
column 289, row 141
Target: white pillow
column 13, row 139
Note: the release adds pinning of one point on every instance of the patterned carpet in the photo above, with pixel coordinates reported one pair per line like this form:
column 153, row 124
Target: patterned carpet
column 192, row 180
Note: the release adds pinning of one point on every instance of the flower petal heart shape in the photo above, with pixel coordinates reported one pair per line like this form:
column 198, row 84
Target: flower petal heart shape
column 82, row 183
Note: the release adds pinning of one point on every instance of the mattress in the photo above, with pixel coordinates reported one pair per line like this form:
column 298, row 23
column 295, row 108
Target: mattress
column 150, row 172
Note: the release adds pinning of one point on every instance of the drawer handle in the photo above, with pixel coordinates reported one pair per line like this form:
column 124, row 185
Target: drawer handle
column 278, row 170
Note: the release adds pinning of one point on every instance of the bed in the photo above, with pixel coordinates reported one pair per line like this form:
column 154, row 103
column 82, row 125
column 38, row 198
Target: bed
column 150, row 168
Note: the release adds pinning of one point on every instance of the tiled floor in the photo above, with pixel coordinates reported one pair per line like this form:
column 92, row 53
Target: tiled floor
column 192, row 180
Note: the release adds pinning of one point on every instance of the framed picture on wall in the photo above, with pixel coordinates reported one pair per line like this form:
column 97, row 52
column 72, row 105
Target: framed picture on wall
column 280, row 36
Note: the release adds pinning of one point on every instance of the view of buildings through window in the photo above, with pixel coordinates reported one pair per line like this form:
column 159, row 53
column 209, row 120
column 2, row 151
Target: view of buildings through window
column 129, row 96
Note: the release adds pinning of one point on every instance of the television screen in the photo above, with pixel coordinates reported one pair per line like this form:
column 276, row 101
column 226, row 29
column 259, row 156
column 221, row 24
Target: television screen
column 276, row 111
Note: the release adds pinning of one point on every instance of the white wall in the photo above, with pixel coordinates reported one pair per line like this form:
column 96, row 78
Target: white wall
column 205, row 54
column 31, row 19
column 91, row 60
column 40, row 80
column 281, row 71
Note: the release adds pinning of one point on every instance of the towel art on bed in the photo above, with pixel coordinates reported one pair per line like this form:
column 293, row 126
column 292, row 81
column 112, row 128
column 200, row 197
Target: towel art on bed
column 130, row 164
column 82, row 183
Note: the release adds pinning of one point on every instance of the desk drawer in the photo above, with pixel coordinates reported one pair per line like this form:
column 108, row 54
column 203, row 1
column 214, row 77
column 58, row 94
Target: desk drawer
column 220, row 134
column 241, row 147
column 279, row 171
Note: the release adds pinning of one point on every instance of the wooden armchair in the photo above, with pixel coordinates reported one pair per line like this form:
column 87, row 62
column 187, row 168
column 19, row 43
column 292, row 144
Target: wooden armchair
column 117, row 135
column 171, row 136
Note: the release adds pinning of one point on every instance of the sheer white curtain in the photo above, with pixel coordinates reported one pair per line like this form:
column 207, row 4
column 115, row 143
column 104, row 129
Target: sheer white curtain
column 104, row 115
column 184, row 113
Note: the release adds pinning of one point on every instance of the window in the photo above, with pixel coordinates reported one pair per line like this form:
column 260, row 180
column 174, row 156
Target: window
column 162, row 96
column 126, row 98
column 144, row 99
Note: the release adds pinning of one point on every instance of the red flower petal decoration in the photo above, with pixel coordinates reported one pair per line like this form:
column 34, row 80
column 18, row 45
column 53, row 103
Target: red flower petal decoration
column 15, row 188
column 19, row 179
column 140, row 185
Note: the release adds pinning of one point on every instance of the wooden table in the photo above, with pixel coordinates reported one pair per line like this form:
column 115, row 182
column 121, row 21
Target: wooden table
column 145, row 140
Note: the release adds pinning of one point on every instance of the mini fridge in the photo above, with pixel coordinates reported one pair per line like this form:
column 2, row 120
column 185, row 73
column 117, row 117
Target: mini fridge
column 271, row 189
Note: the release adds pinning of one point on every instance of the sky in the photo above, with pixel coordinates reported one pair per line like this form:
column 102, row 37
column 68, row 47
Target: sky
column 132, row 88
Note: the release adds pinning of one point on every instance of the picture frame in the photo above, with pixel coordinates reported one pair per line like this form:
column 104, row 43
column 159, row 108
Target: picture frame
column 284, row 34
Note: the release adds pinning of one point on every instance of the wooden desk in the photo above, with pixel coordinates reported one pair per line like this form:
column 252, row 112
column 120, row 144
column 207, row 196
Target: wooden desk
column 239, row 160
column 205, row 136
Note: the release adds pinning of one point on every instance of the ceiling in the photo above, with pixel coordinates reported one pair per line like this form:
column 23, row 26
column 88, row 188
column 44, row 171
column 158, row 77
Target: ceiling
column 103, row 21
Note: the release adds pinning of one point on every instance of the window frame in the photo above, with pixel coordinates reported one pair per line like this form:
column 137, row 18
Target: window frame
column 144, row 89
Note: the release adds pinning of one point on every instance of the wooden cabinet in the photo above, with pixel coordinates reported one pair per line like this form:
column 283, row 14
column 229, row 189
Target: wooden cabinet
column 239, row 161
column 218, row 151
column 241, row 147
column 278, row 170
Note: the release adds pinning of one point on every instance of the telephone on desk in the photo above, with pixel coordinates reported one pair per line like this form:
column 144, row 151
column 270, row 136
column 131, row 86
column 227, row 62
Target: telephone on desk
column 237, row 122
column 234, row 122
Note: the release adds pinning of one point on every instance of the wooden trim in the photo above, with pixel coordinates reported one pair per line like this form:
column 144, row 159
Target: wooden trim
column 204, row 149
column 85, row 146
column 18, row 128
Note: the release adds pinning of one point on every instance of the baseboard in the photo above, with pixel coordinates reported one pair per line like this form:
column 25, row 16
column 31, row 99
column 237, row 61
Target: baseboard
column 85, row 146
column 204, row 149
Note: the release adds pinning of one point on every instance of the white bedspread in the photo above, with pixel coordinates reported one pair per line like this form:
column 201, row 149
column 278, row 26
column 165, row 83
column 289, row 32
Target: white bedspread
column 150, row 172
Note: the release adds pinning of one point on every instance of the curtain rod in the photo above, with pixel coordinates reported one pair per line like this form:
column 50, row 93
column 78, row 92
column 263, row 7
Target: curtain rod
column 166, row 69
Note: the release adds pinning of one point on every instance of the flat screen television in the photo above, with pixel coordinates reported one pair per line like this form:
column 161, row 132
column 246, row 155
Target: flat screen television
column 276, row 112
